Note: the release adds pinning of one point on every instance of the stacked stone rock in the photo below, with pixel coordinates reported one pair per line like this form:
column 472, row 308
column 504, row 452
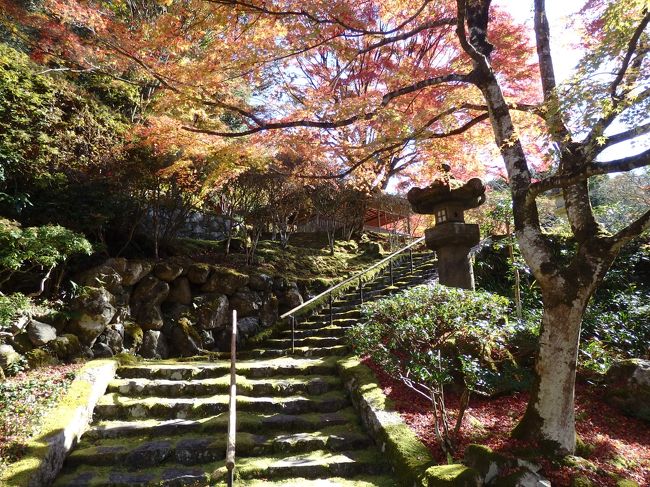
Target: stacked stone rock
column 157, row 310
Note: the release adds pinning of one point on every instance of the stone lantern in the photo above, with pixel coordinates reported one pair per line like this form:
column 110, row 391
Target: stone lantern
column 451, row 237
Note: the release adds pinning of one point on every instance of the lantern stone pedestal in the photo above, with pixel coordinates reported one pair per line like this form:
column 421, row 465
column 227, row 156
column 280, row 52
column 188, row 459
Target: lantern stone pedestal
column 453, row 242
column 451, row 237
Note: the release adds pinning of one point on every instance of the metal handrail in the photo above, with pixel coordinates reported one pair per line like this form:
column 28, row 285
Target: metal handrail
column 356, row 276
column 232, row 416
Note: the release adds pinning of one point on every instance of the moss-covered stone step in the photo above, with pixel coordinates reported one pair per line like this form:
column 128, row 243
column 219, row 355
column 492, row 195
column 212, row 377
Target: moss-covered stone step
column 360, row 481
column 115, row 406
column 351, row 313
column 312, row 341
column 313, row 465
column 299, row 351
column 194, row 450
column 248, row 368
column 246, row 422
column 325, row 331
column 278, row 385
column 323, row 321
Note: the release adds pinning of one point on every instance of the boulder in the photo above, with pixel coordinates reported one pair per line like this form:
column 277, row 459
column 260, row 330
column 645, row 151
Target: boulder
column 185, row 339
column 150, row 317
column 225, row 281
column 628, row 387
column 21, row 343
column 212, row 311
column 40, row 358
column 260, row 282
column 180, row 291
column 154, row 345
column 207, row 338
column 150, row 291
column 101, row 350
column 118, row 263
column 247, row 326
column 133, row 336
column 198, row 273
column 66, row 346
column 8, row 356
column 134, row 271
column 270, row 311
column 92, row 312
column 454, row 475
column 40, row 333
column 167, row 271
column 113, row 337
column 486, row 462
column 372, row 249
column 247, row 303
column 19, row 324
column 103, row 276
column 280, row 284
column 291, row 298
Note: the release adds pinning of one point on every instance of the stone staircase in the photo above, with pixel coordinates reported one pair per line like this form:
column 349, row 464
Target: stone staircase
column 164, row 423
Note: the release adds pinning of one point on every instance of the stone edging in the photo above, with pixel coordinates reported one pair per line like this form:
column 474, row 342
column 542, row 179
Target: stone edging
column 408, row 456
column 62, row 429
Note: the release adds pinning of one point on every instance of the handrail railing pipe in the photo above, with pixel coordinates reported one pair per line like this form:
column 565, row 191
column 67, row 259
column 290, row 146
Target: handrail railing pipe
column 232, row 417
column 329, row 291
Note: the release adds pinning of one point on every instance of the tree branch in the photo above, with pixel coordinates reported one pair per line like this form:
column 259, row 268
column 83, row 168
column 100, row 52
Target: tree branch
column 593, row 169
column 624, row 136
column 631, row 48
column 426, row 26
column 437, row 80
column 633, row 230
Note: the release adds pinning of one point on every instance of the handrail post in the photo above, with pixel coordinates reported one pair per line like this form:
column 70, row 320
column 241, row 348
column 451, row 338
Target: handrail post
column 232, row 417
column 331, row 303
column 293, row 334
column 390, row 265
column 411, row 259
column 360, row 290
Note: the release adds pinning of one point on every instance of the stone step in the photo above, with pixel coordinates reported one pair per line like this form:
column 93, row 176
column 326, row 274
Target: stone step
column 312, row 465
column 359, row 481
column 115, row 406
column 277, row 386
column 324, row 331
column 311, row 341
column 246, row 422
column 350, row 313
column 304, row 351
column 172, row 370
column 317, row 323
column 200, row 449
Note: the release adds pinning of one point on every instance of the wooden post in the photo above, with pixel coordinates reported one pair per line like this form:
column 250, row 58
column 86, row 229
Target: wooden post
column 232, row 418
column 331, row 303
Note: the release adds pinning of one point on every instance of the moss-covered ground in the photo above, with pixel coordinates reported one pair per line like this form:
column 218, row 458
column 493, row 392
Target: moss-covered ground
column 25, row 400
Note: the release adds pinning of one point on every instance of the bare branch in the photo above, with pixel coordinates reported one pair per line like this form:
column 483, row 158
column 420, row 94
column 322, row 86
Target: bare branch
column 437, row 80
column 631, row 48
column 633, row 230
column 426, row 26
column 624, row 136
column 593, row 169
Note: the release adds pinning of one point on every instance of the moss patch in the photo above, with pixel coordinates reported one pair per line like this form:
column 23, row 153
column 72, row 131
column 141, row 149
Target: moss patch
column 406, row 453
column 28, row 472
column 455, row 475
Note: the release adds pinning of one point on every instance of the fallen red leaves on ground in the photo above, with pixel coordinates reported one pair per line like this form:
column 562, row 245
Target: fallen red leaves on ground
column 619, row 445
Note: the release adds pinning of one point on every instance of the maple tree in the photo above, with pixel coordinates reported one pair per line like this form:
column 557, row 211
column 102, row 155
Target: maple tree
column 369, row 89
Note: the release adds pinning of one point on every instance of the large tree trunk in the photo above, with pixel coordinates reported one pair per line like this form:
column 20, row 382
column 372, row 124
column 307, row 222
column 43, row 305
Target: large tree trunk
column 550, row 414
